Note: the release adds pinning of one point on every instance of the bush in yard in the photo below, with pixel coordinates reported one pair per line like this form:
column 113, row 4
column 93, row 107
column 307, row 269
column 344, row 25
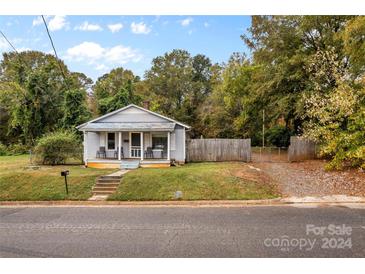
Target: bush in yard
column 3, row 150
column 57, row 147
column 18, row 149
column 13, row 149
column 278, row 136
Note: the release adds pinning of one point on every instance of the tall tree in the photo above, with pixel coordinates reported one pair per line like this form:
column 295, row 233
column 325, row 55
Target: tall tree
column 75, row 110
column 114, row 86
column 37, row 106
column 179, row 85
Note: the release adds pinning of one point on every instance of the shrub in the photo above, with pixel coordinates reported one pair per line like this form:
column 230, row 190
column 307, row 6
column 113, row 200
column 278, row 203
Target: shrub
column 3, row 150
column 278, row 136
column 13, row 149
column 18, row 149
column 58, row 147
column 347, row 147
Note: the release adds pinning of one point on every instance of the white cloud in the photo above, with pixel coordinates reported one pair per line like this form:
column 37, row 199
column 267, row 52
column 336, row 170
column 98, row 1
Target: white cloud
column 186, row 22
column 140, row 28
column 37, row 21
column 115, row 27
column 86, row 26
column 84, row 51
column 3, row 45
column 101, row 67
column 206, row 24
column 23, row 49
column 121, row 54
column 92, row 53
column 57, row 22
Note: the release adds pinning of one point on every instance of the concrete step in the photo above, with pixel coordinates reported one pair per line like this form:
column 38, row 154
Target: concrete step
column 110, row 177
column 130, row 164
column 100, row 188
column 103, row 192
column 106, row 184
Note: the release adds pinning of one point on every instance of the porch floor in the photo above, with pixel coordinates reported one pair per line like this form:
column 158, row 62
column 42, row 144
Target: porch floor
column 148, row 160
column 114, row 163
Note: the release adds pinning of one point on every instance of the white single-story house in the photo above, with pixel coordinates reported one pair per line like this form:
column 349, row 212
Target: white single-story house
column 133, row 134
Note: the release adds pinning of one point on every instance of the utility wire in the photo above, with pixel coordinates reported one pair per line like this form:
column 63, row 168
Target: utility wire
column 7, row 40
column 54, row 49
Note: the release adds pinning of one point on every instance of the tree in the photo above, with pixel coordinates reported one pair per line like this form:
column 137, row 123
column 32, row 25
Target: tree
column 75, row 110
column 354, row 44
column 122, row 98
column 282, row 46
column 179, row 84
column 111, row 86
column 38, row 100
column 233, row 111
column 9, row 94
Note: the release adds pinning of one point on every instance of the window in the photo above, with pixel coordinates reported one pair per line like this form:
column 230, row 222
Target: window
column 159, row 141
column 111, row 140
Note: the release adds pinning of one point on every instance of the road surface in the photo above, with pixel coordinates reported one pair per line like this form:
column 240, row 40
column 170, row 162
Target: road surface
column 254, row 231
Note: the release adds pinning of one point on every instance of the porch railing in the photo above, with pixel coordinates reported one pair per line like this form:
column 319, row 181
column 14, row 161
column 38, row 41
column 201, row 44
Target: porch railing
column 135, row 151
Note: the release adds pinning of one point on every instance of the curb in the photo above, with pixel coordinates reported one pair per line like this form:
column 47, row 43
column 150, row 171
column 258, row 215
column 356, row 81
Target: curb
column 199, row 203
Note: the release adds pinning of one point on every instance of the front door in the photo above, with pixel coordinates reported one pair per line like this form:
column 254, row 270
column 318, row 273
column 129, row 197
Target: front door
column 135, row 145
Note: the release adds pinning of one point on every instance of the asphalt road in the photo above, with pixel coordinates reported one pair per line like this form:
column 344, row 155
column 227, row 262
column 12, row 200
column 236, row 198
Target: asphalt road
column 182, row 232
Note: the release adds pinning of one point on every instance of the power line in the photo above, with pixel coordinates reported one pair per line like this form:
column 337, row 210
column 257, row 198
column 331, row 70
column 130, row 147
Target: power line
column 7, row 40
column 54, row 49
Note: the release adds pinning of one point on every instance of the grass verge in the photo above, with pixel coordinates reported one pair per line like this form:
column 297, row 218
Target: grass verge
column 197, row 181
column 17, row 183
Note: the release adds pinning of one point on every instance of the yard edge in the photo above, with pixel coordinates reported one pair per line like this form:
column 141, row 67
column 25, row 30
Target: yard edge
column 196, row 203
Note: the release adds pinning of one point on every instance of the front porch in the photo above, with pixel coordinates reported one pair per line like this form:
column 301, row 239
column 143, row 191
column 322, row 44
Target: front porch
column 115, row 163
column 110, row 149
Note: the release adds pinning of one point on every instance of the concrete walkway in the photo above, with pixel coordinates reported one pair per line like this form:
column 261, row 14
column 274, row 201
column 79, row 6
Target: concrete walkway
column 106, row 185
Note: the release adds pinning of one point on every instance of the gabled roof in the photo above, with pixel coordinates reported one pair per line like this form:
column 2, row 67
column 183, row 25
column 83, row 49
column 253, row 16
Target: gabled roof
column 151, row 126
column 127, row 107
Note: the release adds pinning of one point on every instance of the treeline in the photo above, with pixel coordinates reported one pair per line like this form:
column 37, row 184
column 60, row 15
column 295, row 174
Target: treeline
column 305, row 72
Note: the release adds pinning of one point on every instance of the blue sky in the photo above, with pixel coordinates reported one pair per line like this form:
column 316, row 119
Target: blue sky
column 96, row 44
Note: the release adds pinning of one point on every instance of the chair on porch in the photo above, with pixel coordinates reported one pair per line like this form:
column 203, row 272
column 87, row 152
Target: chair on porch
column 148, row 153
column 101, row 153
column 117, row 151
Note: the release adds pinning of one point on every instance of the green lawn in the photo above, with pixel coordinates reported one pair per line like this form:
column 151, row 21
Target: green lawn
column 197, row 181
column 19, row 183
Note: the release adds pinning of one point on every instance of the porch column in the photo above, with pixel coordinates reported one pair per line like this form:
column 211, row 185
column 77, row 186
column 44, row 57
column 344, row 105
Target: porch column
column 119, row 145
column 85, row 148
column 142, row 149
column 168, row 145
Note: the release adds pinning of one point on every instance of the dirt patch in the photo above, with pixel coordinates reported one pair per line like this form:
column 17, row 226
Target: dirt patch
column 248, row 172
column 309, row 178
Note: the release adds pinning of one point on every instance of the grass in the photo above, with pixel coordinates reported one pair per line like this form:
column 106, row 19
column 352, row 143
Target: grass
column 197, row 181
column 18, row 183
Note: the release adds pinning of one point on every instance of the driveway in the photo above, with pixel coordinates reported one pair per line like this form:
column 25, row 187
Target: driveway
column 181, row 232
column 310, row 178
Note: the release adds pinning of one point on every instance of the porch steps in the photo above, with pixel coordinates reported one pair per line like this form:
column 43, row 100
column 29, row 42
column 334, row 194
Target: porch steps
column 129, row 164
column 107, row 184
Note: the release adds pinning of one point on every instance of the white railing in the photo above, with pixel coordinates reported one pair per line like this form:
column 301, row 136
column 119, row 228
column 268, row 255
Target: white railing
column 135, row 151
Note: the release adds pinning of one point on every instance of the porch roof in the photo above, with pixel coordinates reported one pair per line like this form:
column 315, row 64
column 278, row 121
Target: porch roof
column 128, row 127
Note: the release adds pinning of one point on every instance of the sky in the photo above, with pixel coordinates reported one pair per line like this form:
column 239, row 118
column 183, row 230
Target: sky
column 96, row 44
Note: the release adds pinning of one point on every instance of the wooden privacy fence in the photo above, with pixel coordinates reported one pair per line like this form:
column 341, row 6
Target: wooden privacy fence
column 216, row 150
column 301, row 149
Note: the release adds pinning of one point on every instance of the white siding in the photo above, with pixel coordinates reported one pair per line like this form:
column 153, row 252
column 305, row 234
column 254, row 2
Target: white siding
column 178, row 154
column 133, row 115
column 93, row 143
column 173, row 141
